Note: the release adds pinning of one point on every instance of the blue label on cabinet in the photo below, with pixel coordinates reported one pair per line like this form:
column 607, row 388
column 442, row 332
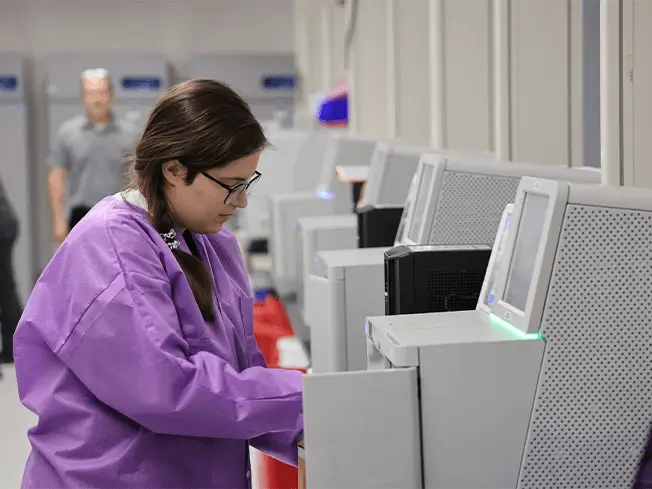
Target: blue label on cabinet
column 142, row 84
column 279, row 82
column 8, row 83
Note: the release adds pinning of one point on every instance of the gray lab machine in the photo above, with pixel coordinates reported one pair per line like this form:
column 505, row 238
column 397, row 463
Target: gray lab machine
column 277, row 164
column 466, row 194
column 549, row 389
column 391, row 171
column 330, row 197
column 440, row 216
column 266, row 81
column 16, row 173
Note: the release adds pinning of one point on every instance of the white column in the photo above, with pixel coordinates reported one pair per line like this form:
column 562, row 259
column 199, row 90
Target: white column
column 461, row 75
column 610, row 92
column 636, row 96
column 539, row 63
column 367, row 70
column 408, row 70
column 332, row 16
column 308, row 51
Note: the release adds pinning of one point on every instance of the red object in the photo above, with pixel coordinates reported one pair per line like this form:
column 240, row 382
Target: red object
column 271, row 323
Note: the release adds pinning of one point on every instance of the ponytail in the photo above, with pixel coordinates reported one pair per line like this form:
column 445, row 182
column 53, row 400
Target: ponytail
column 200, row 280
column 198, row 276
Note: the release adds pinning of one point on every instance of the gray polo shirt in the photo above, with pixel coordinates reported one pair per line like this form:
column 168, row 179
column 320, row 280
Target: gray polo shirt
column 93, row 158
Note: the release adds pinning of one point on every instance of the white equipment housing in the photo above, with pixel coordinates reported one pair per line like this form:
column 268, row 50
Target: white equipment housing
column 388, row 181
column 277, row 165
column 330, row 197
column 463, row 201
column 512, row 397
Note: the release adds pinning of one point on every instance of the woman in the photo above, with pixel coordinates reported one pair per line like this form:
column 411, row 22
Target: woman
column 10, row 307
column 136, row 349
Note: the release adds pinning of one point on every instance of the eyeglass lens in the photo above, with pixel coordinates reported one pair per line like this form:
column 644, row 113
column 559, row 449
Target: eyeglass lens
column 237, row 191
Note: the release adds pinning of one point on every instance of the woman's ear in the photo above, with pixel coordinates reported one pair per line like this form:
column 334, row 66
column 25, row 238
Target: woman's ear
column 174, row 172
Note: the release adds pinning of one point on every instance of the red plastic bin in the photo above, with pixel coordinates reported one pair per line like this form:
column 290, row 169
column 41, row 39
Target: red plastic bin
column 271, row 323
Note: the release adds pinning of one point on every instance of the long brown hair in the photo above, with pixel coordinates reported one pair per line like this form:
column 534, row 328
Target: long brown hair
column 204, row 124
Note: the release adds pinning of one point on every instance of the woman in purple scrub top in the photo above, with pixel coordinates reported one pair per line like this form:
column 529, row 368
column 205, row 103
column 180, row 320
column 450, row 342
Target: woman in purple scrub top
column 136, row 348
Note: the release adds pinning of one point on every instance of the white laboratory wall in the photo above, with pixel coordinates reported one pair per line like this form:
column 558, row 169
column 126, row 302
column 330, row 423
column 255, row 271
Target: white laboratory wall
column 626, row 58
column 368, row 70
column 421, row 71
column 461, row 74
column 308, row 48
column 503, row 75
column 319, row 33
column 539, row 66
column 408, row 70
column 333, row 31
column 175, row 28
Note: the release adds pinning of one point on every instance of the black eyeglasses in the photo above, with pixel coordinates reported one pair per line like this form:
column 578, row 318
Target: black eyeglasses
column 235, row 191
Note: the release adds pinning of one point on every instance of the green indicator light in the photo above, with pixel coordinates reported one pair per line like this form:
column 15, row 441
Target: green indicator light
column 501, row 323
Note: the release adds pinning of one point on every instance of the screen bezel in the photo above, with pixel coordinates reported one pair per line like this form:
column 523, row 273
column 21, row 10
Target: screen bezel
column 507, row 213
column 409, row 204
column 371, row 189
column 529, row 321
column 438, row 162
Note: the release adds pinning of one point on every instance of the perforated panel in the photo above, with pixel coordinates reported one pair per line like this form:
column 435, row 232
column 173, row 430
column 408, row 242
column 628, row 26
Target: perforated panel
column 453, row 291
column 396, row 181
column 470, row 207
column 593, row 404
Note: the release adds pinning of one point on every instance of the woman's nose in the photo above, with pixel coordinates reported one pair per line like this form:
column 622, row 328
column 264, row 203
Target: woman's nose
column 242, row 200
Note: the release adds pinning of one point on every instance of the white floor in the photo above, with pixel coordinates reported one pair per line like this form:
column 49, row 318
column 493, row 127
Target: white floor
column 15, row 420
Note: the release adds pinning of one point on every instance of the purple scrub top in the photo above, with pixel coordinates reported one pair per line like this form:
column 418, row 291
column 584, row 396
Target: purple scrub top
column 132, row 388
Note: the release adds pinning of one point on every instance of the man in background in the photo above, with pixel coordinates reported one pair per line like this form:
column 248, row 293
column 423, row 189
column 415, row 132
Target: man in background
column 87, row 159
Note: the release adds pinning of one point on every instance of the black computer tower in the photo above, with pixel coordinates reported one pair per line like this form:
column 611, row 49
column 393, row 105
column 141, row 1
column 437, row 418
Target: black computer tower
column 429, row 278
column 377, row 226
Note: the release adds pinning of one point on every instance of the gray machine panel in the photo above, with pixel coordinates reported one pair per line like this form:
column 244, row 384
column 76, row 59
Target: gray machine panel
column 15, row 166
column 474, row 219
column 337, row 259
column 321, row 233
column 320, row 223
column 396, row 181
column 331, row 197
column 476, row 402
column 596, row 377
column 486, row 189
column 12, row 70
column 390, row 174
column 477, row 384
column 371, row 440
column 364, row 296
column 266, row 81
column 400, row 337
column 346, row 287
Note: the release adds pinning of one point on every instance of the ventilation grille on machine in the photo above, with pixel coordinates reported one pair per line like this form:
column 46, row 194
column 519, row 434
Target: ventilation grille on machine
column 474, row 218
column 592, row 412
column 453, row 291
column 396, row 181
